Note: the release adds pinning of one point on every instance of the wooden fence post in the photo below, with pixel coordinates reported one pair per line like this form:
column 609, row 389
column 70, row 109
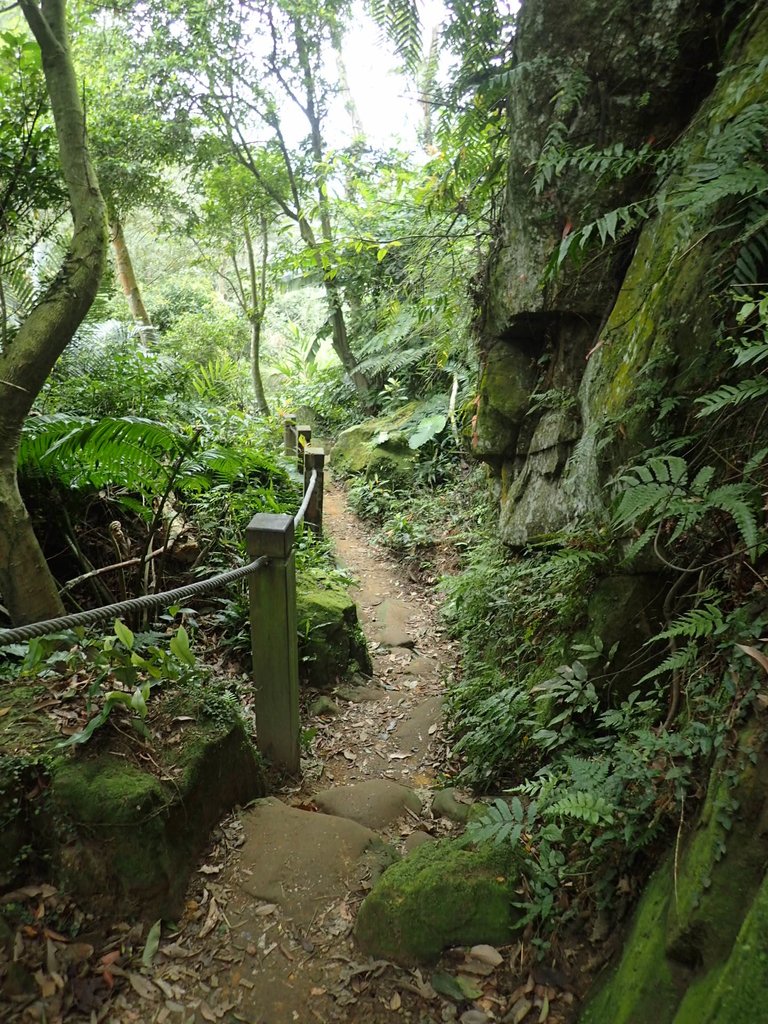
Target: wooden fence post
column 303, row 437
column 274, row 639
column 289, row 435
column 314, row 458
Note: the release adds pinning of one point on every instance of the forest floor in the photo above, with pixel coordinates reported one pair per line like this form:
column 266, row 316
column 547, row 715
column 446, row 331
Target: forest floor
column 266, row 933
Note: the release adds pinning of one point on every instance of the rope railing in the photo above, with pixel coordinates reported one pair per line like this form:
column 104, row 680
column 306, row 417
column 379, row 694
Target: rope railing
column 299, row 517
column 20, row 634
column 272, row 601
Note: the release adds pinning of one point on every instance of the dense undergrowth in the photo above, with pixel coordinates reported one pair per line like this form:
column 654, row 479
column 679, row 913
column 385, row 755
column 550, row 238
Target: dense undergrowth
column 597, row 746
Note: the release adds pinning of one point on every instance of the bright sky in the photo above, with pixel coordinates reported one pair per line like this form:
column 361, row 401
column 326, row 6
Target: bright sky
column 385, row 99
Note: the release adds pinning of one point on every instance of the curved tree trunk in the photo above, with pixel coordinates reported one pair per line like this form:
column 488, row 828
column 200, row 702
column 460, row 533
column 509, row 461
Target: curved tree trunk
column 27, row 586
column 127, row 276
column 257, row 308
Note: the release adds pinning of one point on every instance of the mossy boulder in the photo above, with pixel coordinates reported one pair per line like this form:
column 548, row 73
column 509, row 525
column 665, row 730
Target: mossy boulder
column 98, row 823
column 380, row 447
column 698, row 944
column 128, row 839
column 331, row 642
column 442, row 894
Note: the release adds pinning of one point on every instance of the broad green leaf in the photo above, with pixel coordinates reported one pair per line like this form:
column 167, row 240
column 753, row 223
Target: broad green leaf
column 427, row 429
column 152, row 944
column 179, row 646
column 123, row 634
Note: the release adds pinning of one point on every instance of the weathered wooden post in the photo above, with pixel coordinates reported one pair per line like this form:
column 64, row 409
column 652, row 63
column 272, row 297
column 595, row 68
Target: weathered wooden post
column 303, row 437
column 289, row 435
column 274, row 639
column 314, row 458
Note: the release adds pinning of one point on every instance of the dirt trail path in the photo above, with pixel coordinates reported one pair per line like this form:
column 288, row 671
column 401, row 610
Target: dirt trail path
column 266, row 936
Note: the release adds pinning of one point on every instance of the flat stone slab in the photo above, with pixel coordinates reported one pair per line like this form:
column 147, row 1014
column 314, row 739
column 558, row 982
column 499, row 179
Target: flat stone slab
column 392, row 624
column 412, row 734
column 359, row 694
column 375, row 803
column 297, row 858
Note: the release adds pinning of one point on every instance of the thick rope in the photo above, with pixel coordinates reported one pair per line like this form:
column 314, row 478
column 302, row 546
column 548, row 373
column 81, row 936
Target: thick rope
column 88, row 618
column 299, row 517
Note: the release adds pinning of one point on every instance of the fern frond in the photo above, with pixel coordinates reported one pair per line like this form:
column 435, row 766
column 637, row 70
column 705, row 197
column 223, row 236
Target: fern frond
column 583, row 805
column 732, row 394
column 130, row 452
column 587, row 774
column 733, row 500
column 400, row 20
column 695, row 624
column 681, row 659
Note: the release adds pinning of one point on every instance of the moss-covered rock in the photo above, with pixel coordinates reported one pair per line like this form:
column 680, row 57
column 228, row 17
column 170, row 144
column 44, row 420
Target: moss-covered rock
column 128, row 839
column 100, row 824
column 606, row 332
column 441, row 895
column 331, row 642
column 379, row 447
column 700, row 932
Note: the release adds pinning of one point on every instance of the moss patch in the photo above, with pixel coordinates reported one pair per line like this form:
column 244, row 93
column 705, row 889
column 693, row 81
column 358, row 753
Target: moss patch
column 441, row 895
column 700, row 933
column 129, row 840
column 331, row 643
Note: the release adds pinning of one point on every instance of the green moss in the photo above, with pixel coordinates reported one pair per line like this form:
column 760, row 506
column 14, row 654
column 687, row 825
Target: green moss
column 330, row 639
column 360, row 450
column 127, row 839
column 441, row 895
column 700, row 929
column 722, row 869
column 106, row 791
column 736, row 991
column 643, row 988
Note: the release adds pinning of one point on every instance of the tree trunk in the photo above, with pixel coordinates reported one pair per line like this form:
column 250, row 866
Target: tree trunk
column 332, row 290
column 127, row 276
column 259, row 398
column 258, row 307
column 28, row 589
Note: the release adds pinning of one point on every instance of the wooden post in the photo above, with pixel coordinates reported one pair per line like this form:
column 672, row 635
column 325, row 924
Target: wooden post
column 303, row 437
column 274, row 639
column 289, row 435
column 314, row 458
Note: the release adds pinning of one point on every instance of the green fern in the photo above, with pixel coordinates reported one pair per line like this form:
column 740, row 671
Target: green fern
column 729, row 395
column 583, row 805
column 680, row 660
column 660, row 490
column 400, row 20
column 704, row 621
column 590, row 775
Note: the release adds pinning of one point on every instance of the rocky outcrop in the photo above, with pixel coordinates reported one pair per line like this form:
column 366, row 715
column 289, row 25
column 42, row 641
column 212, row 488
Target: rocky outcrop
column 572, row 362
column 331, row 642
column 696, row 952
column 442, row 894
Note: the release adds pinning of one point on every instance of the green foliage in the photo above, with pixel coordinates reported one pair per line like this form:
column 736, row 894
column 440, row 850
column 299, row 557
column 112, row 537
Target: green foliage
column 400, row 20
column 122, row 670
column 514, row 616
column 750, row 348
column 661, row 491
column 108, row 371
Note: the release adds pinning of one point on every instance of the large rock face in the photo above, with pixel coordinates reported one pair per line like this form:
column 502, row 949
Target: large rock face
column 566, row 394
column 697, row 951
